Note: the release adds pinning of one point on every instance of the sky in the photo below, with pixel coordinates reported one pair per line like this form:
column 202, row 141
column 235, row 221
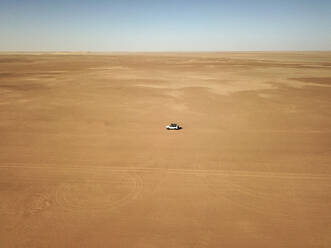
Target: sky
column 165, row 25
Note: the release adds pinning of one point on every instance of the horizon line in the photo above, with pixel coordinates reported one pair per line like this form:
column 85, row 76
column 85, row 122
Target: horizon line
column 157, row 51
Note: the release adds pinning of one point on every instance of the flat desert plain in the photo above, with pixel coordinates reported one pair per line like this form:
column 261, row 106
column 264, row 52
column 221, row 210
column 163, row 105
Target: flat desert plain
column 86, row 161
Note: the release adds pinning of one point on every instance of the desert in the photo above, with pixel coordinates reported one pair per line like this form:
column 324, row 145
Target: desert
column 86, row 161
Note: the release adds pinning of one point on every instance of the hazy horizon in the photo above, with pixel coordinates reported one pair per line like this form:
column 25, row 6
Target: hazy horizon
column 164, row 26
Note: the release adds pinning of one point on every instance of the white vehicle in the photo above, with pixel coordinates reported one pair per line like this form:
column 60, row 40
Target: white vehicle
column 173, row 126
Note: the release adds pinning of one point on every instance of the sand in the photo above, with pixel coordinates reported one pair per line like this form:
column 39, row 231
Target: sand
column 86, row 161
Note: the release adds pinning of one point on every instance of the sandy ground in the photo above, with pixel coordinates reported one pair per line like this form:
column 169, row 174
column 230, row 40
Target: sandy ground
column 85, row 160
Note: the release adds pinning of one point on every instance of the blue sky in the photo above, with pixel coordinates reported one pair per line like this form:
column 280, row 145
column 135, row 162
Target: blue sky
column 168, row 25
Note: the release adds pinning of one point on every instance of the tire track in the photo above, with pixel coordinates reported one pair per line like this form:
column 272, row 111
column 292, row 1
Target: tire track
column 66, row 199
column 29, row 214
column 282, row 204
column 218, row 192
column 281, row 175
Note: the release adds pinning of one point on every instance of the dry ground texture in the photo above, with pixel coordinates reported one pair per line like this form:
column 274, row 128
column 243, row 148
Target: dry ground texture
column 85, row 160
